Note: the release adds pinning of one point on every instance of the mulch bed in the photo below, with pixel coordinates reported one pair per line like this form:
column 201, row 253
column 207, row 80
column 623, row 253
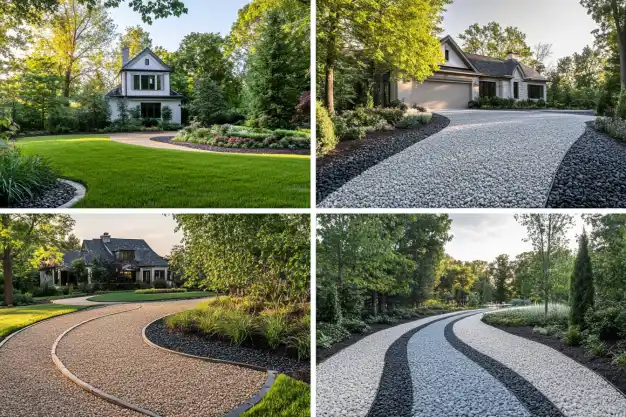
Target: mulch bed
column 200, row 345
column 54, row 197
column 601, row 366
column 592, row 174
column 168, row 139
column 350, row 158
column 323, row 354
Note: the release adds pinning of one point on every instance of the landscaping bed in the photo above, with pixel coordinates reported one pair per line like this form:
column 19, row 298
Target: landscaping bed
column 350, row 158
column 130, row 297
column 600, row 365
column 197, row 344
column 54, row 196
column 592, row 174
column 205, row 147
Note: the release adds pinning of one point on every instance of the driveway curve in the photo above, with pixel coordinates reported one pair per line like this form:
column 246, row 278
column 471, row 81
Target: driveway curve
column 455, row 365
column 143, row 139
column 503, row 159
column 109, row 354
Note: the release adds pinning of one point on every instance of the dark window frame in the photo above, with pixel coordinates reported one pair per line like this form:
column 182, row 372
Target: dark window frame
column 447, row 55
column 149, row 82
column 147, row 273
column 516, row 90
column 157, row 274
column 488, row 89
column 151, row 110
column 147, row 61
column 535, row 92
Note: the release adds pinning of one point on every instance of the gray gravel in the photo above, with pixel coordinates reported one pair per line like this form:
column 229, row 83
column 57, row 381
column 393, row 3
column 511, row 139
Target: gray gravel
column 347, row 382
column 498, row 159
column 573, row 388
column 30, row 383
column 110, row 354
column 447, row 383
column 53, row 197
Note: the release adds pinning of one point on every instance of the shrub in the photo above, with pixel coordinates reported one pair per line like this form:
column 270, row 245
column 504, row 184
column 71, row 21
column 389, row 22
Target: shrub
column 354, row 133
column 22, row 299
column 334, row 332
column 355, row 325
column 275, row 326
column 23, row 176
column 237, row 325
column 329, row 310
column 323, row 340
column 433, row 305
column 594, row 345
column 302, row 343
column 621, row 104
column 541, row 103
column 160, row 283
column 516, row 302
column 160, row 290
column 620, row 361
column 184, row 321
column 411, row 122
column 390, row 115
column 608, row 322
column 473, row 104
column 571, row 336
column 166, row 114
column 612, row 126
column 326, row 139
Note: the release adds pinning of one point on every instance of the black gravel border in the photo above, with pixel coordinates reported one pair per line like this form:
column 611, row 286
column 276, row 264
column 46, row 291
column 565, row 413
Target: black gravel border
column 54, row 197
column 592, row 174
column 394, row 396
column 534, row 401
column 195, row 345
column 168, row 139
column 345, row 166
column 267, row 386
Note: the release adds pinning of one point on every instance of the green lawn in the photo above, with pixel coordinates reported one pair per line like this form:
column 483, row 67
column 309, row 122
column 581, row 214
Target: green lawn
column 287, row 398
column 15, row 318
column 132, row 297
column 129, row 176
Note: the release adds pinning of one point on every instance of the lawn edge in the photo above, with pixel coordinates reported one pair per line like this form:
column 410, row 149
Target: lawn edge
column 149, row 301
column 86, row 386
column 240, row 409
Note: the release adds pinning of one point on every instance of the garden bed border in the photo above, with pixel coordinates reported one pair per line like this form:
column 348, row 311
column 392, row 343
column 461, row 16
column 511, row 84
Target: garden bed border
column 224, row 150
column 80, row 191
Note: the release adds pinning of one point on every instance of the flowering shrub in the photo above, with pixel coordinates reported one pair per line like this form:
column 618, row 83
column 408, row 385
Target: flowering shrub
column 229, row 136
column 612, row 126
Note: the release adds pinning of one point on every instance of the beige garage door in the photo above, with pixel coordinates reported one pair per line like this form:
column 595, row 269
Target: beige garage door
column 439, row 95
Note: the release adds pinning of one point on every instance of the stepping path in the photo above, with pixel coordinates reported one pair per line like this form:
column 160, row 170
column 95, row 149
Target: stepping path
column 456, row 366
column 482, row 159
column 109, row 354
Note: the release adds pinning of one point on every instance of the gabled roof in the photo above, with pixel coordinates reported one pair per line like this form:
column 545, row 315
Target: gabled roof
column 459, row 51
column 144, row 255
column 136, row 58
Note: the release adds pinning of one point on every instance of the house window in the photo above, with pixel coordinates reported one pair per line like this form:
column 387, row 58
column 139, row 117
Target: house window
column 126, row 255
column 147, row 61
column 147, row 82
column 146, row 276
column 535, row 91
column 159, row 274
column 151, row 110
column 516, row 90
column 127, row 275
column 447, row 55
column 487, row 89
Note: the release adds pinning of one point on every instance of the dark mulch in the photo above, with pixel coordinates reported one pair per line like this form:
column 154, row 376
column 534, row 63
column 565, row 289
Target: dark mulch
column 602, row 366
column 168, row 139
column 350, row 158
column 592, row 174
column 323, row 354
column 200, row 345
column 53, row 197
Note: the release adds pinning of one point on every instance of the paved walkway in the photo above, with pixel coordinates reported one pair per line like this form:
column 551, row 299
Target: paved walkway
column 143, row 139
column 109, row 354
column 482, row 159
column 81, row 301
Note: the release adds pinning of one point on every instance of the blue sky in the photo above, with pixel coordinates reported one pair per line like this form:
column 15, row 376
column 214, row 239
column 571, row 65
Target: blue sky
column 204, row 16
column 563, row 23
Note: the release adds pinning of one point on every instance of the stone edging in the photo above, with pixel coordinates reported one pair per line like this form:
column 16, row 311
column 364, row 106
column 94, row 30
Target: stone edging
column 79, row 193
column 84, row 385
column 240, row 409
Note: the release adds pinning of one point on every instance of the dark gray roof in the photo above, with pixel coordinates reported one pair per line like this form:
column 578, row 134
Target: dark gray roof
column 494, row 67
column 144, row 255
column 117, row 92
column 70, row 256
column 132, row 61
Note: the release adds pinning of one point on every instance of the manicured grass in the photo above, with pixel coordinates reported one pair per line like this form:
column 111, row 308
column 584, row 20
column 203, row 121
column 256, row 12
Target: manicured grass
column 287, row 398
column 129, row 176
column 59, row 297
column 15, row 318
column 133, row 297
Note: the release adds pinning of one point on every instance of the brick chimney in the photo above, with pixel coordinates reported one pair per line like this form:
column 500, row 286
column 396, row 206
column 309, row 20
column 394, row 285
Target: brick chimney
column 512, row 55
column 106, row 237
column 125, row 55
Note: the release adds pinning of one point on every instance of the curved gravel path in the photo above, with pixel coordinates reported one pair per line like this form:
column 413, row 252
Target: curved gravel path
column 110, row 354
column 30, row 383
column 574, row 389
column 483, row 159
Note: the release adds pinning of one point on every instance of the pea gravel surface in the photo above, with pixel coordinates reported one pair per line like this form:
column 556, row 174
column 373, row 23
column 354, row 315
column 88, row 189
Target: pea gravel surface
column 30, row 383
column 347, row 382
column 437, row 367
column 574, row 389
column 110, row 354
column 482, row 159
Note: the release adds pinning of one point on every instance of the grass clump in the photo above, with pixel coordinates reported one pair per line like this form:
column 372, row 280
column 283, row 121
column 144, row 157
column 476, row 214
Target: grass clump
column 571, row 336
column 620, row 361
column 287, row 398
column 23, row 176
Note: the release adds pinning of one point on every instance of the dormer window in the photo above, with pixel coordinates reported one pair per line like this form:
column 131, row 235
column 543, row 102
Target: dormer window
column 126, row 255
column 447, row 55
column 147, row 61
column 147, row 82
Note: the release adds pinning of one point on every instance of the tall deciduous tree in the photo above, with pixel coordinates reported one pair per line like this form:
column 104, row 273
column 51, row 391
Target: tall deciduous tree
column 37, row 234
column 581, row 284
column 502, row 272
column 548, row 234
column 136, row 39
column 494, row 41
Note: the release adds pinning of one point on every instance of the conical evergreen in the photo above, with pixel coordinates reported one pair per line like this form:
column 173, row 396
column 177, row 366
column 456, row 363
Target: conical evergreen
column 581, row 284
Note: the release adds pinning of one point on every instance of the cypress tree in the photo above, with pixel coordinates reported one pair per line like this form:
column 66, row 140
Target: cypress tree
column 581, row 284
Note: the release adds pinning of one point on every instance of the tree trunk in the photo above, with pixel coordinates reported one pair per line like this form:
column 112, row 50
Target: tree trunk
column 374, row 303
column 66, row 83
column 331, row 53
column 621, row 41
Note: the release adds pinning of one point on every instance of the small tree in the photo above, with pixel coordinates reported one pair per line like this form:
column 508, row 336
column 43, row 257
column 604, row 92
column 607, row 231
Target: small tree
column 135, row 112
column 79, row 269
column 166, row 114
column 581, row 284
column 621, row 105
column 208, row 103
column 122, row 110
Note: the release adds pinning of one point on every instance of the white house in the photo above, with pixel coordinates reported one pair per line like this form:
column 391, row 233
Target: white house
column 133, row 260
column 145, row 82
column 464, row 77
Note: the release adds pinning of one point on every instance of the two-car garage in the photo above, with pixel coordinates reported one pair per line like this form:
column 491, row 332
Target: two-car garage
column 436, row 94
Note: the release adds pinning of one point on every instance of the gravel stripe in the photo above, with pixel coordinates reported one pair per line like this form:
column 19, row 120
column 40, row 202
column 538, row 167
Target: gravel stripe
column 574, row 389
column 483, row 159
column 348, row 381
column 30, row 383
column 533, row 400
column 110, row 354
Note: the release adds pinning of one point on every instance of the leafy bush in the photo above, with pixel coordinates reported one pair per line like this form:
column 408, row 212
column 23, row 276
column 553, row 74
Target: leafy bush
column 571, row 336
column 354, row 133
column 355, row 325
column 516, row 302
column 46, row 290
column 330, row 305
column 390, row 115
column 166, row 114
column 22, row 299
column 608, row 322
column 23, row 176
column 160, row 283
column 433, row 305
column 473, row 104
column 333, row 332
column 326, row 139
column 612, row 126
column 594, row 345
column 413, row 121
column 621, row 104
column 620, row 361
column 160, row 290
column 208, row 102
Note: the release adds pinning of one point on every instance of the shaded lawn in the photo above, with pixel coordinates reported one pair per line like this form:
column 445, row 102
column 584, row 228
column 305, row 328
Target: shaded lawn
column 133, row 297
column 129, row 176
column 287, row 398
column 15, row 318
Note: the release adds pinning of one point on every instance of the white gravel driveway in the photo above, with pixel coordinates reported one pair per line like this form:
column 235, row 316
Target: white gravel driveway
column 482, row 159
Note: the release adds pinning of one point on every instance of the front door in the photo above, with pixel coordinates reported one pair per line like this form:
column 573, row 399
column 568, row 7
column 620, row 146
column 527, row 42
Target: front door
column 146, row 276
